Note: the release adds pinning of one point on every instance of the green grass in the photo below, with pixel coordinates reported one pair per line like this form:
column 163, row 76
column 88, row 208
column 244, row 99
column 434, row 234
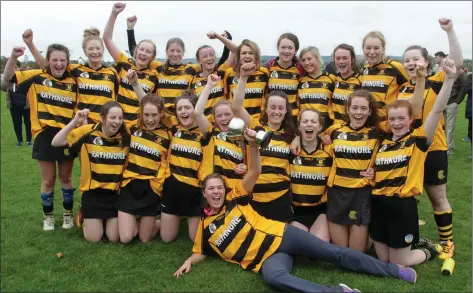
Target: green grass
column 29, row 262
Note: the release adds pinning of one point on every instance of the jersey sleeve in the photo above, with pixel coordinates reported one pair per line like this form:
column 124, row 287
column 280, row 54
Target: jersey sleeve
column 120, row 61
column 401, row 74
column 24, row 79
column 77, row 136
column 331, row 129
column 197, row 248
column 237, row 192
column 254, row 123
column 421, row 139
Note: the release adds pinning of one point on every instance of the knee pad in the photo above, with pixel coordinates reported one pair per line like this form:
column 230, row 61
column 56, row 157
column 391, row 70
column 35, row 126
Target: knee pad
column 68, row 195
column 47, row 199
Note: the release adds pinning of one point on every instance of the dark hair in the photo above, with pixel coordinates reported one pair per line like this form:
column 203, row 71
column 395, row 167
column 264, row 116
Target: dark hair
column 154, row 100
column 287, row 123
column 321, row 118
column 122, row 130
column 203, row 184
column 57, row 47
column 372, row 120
column 186, row 95
column 354, row 65
column 441, row 54
column 293, row 38
column 423, row 52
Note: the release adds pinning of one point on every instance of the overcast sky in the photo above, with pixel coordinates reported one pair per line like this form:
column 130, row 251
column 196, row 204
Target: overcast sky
column 321, row 24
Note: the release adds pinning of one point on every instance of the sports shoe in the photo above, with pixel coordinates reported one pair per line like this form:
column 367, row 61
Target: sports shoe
column 18, row 144
column 466, row 138
column 348, row 289
column 29, row 143
column 48, row 223
column 407, row 274
column 67, row 222
column 449, row 152
column 448, row 249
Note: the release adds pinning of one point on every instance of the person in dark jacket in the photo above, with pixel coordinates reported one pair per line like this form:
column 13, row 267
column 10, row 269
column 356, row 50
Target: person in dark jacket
column 19, row 110
column 468, row 104
column 450, row 112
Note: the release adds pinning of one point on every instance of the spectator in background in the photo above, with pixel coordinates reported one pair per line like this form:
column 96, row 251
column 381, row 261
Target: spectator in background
column 439, row 56
column 330, row 67
column 468, row 106
column 19, row 108
column 456, row 96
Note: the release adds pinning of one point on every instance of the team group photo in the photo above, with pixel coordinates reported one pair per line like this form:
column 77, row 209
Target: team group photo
column 211, row 146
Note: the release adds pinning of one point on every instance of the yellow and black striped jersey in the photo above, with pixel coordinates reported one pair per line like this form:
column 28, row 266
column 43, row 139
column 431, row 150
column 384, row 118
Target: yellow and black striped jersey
column 147, row 158
column 399, row 165
column 354, row 151
column 273, row 181
column 286, row 80
column 343, row 88
column 102, row 158
column 52, row 101
column 238, row 234
column 127, row 98
column 309, row 176
column 95, row 88
column 173, row 80
column 255, row 90
column 315, row 93
column 221, row 155
column 216, row 94
column 185, row 154
column 155, row 64
column 384, row 80
column 433, row 84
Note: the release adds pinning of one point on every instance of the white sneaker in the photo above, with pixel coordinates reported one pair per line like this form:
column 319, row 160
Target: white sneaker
column 48, row 223
column 67, row 222
column 348, row 289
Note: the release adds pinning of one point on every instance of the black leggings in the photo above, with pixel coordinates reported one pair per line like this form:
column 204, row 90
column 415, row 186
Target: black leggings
column 16, row 115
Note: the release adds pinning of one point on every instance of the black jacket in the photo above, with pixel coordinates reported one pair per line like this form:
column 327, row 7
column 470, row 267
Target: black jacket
column 468, row 99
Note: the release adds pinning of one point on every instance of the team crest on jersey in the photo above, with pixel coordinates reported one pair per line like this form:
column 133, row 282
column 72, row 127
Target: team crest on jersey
column 212, row 228
column 320, row 162
column 366, row 71
column 350, row 87
column 159, row 140
column 84, row 75
column 274, row 74
column 178, row 133
column 294, row 76
column 138, row 133
column 297, row 161
column 47, row 82
column 363, row 136
column 105, row 77
column 147, row 76
column 342, row 136
column 403, row 145
column 222, row 136
column 383, row 148
column 324, row 85
column 98, row 141
column 381, row 72
column 257, row 78
column 235, row 80
column 305, row 85
column 69, row 87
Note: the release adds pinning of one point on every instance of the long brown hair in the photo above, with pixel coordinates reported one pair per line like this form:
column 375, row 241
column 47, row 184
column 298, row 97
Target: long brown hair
column 354, row 65
column 423, row 52
column 373, row 119
column 287, row 124
column 122, row 130
column 154, row 100
column 256, row 51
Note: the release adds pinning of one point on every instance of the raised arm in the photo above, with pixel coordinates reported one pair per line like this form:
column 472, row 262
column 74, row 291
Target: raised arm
column 237, row 104
column 227, row 42
column 226, row 51
column 132, row 77
column 453, row 43
column 9, row 70
column 61, row 137
column 108, row 32
column 202, row 121
column 417, row 99
column 437, row 110
column 130, row 32
column 186, row 266
column 254, row 171
column 28, row 39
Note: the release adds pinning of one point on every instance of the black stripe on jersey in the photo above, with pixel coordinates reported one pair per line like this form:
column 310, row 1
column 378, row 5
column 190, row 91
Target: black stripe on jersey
column 76, row 72
column 231, row 236
column 268, row 153
column 304, row 198
column 432, row 85
column 240, row 254
column 230, row 174
column 165, row 141
column 186, row 155
column 58, row 85
column 208, row 111
column 310, row 182
column 107, row 94
column 261, row 78
column 124, row 100
column 112, row 178
column 92, row 107
column 271, row 187
column 105, row 161
column 284, row 74
column 172, row 86
column 349, row 173
column 338, row 116
column 105, row 142
column 206, row 234
column 273, row 170
column 318, row 84
column 249, row 96
column 55, row 103
column 253, row 110
column 396, row 182
column 225, row 156
column 49, row 116
column 265, row 245
column 339, row 102
column 186, row 172
column 377, row 89
column 144, row 154
column 397, row 165
column 319, row 162
column 354, row 156
column 355, row 136
column 141, row 170
column 130, row 116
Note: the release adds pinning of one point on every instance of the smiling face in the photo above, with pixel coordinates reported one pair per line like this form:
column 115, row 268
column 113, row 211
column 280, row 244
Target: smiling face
column 276, row 110
column 112, row 121
column 247, row 55
column 399, row 121
column 358, row 112
column 58, row 63
column 343, row 61
column 223, row 116
column 310, row 63
column 411, row 59
column 94, row 51
column 373, row 50
column 287, row 50
column 207, row 59
column 214, row 193
column 185, row 113
column 309, row 126
column 151, row 116
column 174, row 53
column 144, row 54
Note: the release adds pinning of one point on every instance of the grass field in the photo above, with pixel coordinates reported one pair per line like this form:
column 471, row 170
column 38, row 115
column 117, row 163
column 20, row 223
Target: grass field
column 29, row 262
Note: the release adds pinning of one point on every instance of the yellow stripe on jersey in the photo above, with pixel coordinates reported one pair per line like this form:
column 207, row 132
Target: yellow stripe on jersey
column 147, row 78
column 52, row 101
column 354, row 151
column 315, row 93
column 343, row 88
column 384, row 80
column 221, row 155
column 285, row 80
column 102, row 159
column 173, row 81
column 309, row 176
column 399, row 165
column 255, row 89
column 238, row 234
column 216, row 94
column 273, row 181
column 185, row 154
column 147, row 159
column 433, row 84
column 95, row 88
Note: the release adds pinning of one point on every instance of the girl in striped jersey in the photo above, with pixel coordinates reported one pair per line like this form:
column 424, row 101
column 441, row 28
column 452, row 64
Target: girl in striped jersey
column 103, row 149
column 309, row 174
column 248, row 52
column 97, row 84
column 142, row 62
column 181, row 194
column 238, row 234
column 399, row 168
column 347, row 80
column 52, row 97
column 271, row 196
column 315, row 87
column 436, row 163
column 286, row 70
column 221, row 154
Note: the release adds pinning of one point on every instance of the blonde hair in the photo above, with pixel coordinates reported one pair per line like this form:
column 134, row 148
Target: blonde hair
column 376, row 35
column 256, row 51
column 316, row 53
column 145, row 41
column 90, row 34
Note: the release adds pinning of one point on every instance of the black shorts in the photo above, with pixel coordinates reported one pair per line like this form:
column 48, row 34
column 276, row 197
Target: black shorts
column 394, row 221
column 138, row 198
column 44, row 151
column 349, row 206
column 308, row 215
column 99, row 204
column 279, row 209
column 181, row 199
column 436, row 168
